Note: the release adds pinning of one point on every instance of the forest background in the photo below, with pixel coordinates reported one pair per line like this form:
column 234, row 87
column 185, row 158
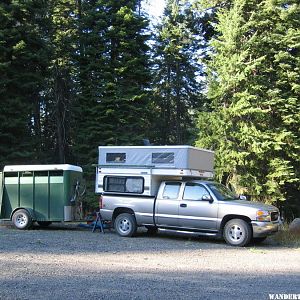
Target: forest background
column 222, row 75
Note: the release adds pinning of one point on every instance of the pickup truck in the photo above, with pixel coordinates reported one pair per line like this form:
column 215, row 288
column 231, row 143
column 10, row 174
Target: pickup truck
column 197, row 206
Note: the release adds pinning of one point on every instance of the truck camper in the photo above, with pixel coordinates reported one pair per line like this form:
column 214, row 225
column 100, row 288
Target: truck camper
column 171, row 188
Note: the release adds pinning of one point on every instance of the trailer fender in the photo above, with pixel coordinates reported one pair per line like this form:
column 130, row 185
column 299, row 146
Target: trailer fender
column 30, row 211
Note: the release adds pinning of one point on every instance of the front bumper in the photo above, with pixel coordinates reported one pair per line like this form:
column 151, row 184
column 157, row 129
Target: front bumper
column 262, row 229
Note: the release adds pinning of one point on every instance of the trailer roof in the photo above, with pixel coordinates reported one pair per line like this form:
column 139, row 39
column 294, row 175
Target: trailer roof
column 16, row 168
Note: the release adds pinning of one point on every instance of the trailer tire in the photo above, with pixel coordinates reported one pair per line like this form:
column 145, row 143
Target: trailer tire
column 44, row 223
column 22, row 219
column 125, row 225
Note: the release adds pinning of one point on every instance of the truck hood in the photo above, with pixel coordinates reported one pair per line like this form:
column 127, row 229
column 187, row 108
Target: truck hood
column 250, row 204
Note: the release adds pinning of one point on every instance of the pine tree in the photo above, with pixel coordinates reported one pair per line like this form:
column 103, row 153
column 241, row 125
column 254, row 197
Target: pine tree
column 23, row 63
column 176, row 75
column 254, row 94
column 113, row 77
column 61, row 83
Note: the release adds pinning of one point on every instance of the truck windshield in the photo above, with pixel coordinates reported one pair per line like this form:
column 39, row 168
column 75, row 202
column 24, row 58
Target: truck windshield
column 222, row 192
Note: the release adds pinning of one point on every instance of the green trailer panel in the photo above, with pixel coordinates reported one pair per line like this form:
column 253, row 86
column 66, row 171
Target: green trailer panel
column 46, row 191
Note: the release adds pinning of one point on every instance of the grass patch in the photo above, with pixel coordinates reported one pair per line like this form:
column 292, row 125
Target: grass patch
column 285, row 237
column 256, row 250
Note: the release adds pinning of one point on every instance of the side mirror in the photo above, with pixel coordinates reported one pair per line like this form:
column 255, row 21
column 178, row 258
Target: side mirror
column 207, row 197
column 242, row 197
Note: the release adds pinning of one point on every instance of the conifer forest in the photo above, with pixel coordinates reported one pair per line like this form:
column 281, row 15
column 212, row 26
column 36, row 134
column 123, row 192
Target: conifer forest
column 217, row 74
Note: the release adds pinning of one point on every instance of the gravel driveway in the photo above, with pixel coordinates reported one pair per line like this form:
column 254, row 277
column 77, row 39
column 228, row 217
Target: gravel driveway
column 64, row 262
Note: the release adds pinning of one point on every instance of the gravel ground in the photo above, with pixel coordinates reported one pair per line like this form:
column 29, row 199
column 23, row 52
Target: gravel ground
column 64, row 262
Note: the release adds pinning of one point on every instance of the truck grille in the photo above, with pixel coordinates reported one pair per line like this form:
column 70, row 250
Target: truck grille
column 274, row 215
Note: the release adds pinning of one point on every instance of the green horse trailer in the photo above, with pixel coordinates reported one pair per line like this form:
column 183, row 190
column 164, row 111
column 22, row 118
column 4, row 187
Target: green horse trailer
column 40, row 193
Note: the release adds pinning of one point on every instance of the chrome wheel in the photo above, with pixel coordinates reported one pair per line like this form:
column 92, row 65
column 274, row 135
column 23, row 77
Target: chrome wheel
column 22, row 219
column 125, row 225
column 237, row 232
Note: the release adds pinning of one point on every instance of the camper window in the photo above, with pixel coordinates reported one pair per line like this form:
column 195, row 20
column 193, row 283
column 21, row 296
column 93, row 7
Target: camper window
column 163, row 158
column 124, row 184
column 115, row 158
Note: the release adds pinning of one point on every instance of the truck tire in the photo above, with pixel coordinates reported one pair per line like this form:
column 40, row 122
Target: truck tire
column 237, row 232
column 22, row 219
column 125, row 225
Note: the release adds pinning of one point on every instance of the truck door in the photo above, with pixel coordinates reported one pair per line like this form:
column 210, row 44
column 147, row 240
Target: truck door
column 167, row 205
column 195, row 213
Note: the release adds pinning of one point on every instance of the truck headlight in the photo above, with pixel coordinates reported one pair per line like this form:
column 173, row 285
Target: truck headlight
column 263, row 216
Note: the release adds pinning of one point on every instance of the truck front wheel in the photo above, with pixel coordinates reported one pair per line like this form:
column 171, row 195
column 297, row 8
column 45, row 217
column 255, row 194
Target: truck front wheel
column 22, row 219
column 125, row 225
column 237, row 232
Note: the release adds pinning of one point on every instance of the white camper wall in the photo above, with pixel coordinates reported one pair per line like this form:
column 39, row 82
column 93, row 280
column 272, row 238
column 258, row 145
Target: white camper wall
column 172, row 157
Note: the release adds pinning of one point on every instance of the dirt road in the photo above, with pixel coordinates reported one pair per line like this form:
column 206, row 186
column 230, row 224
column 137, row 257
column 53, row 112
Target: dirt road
column 68, row 263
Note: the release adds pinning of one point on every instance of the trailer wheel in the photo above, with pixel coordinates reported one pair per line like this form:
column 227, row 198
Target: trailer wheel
column 22, row 219
column 44, row 223
column 125, row 225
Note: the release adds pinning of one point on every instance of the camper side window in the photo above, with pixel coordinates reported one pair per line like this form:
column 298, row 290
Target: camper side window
column 115, row 158
column 122, row 184
column 163, row 158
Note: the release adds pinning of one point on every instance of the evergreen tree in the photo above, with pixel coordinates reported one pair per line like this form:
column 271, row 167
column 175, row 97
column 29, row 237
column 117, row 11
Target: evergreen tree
column 24, row 56
column 61, row 83
column 176, row 85
column 112, row 97
column 254, row 94
column 114, row 76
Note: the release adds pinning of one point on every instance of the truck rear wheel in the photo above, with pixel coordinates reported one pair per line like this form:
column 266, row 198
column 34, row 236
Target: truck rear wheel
column 237, row 232
column 125, row 225
column 22, row 219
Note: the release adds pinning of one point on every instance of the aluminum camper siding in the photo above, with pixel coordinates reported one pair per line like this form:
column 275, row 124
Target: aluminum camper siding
column 184, row 157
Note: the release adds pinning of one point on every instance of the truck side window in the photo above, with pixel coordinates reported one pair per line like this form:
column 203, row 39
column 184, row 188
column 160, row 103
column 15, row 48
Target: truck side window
column 194, row 191
column 171, row 190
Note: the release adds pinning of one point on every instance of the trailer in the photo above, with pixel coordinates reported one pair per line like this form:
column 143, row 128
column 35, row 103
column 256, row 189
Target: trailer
column 140, row 169
column 40, row 193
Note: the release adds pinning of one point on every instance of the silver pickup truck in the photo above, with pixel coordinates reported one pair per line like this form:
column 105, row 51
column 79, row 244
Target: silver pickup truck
column 202, row 207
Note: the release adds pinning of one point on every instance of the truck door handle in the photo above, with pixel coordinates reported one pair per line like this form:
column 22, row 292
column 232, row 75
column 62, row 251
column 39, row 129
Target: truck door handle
column 183, row 205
